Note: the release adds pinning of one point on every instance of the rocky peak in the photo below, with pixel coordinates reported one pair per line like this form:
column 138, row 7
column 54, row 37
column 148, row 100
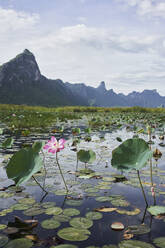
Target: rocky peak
column 102, row 87
column 22, row 68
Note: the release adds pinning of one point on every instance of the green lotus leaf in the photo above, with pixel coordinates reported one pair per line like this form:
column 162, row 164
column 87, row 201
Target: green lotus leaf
column 73, row 234
column 156, row 210
column 23, row 164
column 50, row 224
column 81, row 222
column 134, row 244
column 19, row 243
column 86, row 156
column 160, row 242
column 131, row 154
column 3, row 240
column 37, row 146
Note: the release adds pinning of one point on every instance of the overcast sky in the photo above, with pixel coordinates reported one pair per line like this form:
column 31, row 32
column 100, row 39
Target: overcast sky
column 121, row 42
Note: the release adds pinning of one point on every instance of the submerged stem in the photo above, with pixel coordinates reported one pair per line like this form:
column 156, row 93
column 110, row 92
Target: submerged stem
column 142, row 188
column 61, row 173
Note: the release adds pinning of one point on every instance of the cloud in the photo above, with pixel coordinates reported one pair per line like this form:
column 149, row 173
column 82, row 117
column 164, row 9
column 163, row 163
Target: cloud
column 11, row 20
column 147, row 8
column 81, row 53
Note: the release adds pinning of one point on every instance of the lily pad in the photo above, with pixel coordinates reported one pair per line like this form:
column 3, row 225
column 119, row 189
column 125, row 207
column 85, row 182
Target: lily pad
column 160, row 242
column 117, row 226
column 156, row 210
column 53, row 211
column 3, row 240
column 62, row 218
column 81, row 222
column 94, row 215
column 33, row 211
column 65, row 246
column 138, row 229
column 73, row 234
column 50, row 224
column 134, row 244
column 19, row 243
column 74, row 202
column 71, row 212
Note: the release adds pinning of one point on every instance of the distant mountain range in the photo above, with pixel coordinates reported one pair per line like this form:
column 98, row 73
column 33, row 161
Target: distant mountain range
column 22, row 83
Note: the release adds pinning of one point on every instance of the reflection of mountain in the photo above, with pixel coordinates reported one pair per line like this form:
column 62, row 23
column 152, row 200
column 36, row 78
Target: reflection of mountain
column 22, row 83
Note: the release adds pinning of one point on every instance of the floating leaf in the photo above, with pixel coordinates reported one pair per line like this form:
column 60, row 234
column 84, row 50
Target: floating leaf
column 33, row 211
column 64, row 246
column 53, row 211
column 19, row 243
column 74, row 202
column 128, row 212
column 3, row 240
column 71, row 212
column 62, row 218
column 2, row 226
column 138, row 229
column 156, row 210
column 134, row 244
column 73, row 234
column 105, row 209
column 131, row 154
column 94, row 215
column 81, row 222
column 50, row 224
column 117, row 226
column 160, row 242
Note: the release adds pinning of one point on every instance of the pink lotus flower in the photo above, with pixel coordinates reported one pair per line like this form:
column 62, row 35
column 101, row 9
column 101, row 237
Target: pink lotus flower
column 54, row 146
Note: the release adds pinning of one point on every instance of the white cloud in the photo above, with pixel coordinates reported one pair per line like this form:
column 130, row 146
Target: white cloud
column 86, row 54
column 148, row 8
column 11, row 21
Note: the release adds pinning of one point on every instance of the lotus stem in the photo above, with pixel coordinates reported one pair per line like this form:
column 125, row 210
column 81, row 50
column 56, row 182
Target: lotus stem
column 44, row 169
column 142, row 188
column 61, row 173
column 39, row 184
column 152, row 184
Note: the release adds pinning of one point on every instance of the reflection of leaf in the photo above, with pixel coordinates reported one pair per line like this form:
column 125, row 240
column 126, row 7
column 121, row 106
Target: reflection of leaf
column 131, row 154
